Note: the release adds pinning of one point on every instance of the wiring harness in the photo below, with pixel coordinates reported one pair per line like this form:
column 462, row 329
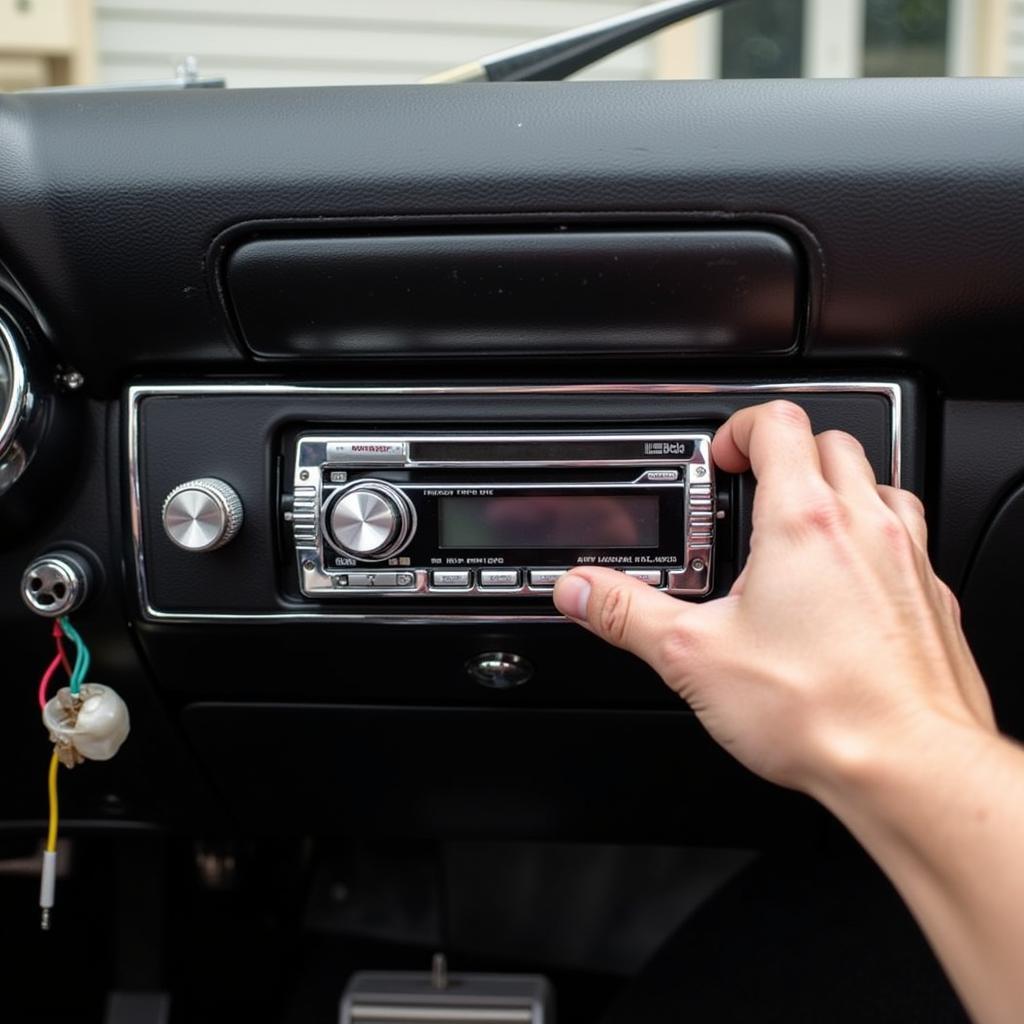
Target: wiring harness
column 85, row 722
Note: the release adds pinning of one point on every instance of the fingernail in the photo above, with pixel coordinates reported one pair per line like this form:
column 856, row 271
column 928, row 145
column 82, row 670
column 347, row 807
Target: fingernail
column 571, row 597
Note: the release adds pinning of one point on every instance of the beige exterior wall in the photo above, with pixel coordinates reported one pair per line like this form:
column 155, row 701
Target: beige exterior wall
column 689, row 50
column 315, row 42
column 46, row 43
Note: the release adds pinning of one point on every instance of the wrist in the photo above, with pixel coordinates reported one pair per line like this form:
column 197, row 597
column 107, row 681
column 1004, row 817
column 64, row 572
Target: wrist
column 883, row 779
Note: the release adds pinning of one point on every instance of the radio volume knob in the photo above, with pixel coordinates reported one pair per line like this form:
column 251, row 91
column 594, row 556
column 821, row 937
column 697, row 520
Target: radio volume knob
column 202, row 515
column 370, row 520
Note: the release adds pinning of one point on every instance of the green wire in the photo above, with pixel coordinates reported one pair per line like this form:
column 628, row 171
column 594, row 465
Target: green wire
column 82, row 657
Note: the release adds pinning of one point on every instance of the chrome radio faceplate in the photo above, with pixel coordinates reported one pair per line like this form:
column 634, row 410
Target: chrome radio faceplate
column 499, row 515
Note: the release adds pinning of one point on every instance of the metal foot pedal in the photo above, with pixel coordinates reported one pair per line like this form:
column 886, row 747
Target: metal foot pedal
column 386, row 997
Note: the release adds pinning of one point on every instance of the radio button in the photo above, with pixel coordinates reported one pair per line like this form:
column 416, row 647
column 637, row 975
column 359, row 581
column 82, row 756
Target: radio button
column 499, row 578
column 652, row 577
column 449, row 578
column 546, row 577
column 360, row 579
column 381, row 579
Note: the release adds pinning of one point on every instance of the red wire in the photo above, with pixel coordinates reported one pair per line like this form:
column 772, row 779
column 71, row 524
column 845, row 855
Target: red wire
column 60, row 658
column 59, row 634
column 44, row 683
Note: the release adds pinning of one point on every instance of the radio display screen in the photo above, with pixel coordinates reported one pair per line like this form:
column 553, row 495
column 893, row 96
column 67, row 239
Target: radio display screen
column 549, row 521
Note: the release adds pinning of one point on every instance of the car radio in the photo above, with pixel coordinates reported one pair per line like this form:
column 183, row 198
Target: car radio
column 499, row 515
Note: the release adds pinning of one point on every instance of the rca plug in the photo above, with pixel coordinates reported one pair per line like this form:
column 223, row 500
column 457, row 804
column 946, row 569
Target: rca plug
column 47, row 888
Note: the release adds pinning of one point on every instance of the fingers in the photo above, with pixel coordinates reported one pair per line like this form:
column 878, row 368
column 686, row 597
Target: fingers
column 775, row 441
column 845, row 466
column 910, row 510
column 624, row 611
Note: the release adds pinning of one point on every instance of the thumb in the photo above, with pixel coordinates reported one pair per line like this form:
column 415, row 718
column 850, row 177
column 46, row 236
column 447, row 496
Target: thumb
column 626, row 613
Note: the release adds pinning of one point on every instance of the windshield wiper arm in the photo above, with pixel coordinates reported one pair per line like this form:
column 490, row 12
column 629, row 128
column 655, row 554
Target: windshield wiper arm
column 556, row 57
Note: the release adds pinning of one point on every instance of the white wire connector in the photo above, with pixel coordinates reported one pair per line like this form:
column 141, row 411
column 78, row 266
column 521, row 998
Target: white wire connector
column 89, row 726
column 47, row 886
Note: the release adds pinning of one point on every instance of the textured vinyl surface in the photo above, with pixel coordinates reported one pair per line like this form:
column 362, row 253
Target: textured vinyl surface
column 905, row 195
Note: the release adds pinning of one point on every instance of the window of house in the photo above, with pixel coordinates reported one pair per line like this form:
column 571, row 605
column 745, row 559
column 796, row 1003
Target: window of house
column 905, row 37
column 763, row 39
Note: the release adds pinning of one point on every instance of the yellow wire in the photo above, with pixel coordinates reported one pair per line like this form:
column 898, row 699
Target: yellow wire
column 51, row 836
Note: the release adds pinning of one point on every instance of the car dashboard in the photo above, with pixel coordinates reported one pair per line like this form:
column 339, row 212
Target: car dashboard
column 307, row 310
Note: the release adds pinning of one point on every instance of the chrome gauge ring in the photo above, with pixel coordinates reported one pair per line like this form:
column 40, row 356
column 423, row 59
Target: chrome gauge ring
column 15, row 405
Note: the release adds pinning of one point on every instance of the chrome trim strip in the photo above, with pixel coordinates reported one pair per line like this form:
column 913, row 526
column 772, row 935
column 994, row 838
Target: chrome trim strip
column 408, row 439
column 893, row 392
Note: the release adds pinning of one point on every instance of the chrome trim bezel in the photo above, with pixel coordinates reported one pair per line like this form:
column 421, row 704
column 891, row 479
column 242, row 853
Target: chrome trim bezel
column 893, row 392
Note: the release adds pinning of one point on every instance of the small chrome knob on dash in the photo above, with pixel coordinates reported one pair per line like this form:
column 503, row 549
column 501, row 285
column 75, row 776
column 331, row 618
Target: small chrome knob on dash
column 202, row 515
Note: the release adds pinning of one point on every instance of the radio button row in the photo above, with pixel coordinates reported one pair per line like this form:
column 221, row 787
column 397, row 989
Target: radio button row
column 499, row 578
column 546, row 577
column 652, row 577
column 449, row 578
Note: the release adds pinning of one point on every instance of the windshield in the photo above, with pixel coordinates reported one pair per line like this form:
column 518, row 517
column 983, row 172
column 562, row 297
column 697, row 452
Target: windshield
column 361, row 42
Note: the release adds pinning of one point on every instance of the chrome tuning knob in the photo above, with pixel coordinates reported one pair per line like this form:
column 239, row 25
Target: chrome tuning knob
column 371, row 520
column 202, row 515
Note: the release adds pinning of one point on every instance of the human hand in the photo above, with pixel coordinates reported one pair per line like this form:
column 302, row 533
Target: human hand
column 838, row 639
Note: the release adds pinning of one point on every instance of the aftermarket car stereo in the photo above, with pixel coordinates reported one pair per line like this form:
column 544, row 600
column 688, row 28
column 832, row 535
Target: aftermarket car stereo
column 500, row 515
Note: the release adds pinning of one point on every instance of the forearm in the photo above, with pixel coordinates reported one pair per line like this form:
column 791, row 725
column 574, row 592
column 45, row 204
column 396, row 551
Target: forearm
column 943, row 815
